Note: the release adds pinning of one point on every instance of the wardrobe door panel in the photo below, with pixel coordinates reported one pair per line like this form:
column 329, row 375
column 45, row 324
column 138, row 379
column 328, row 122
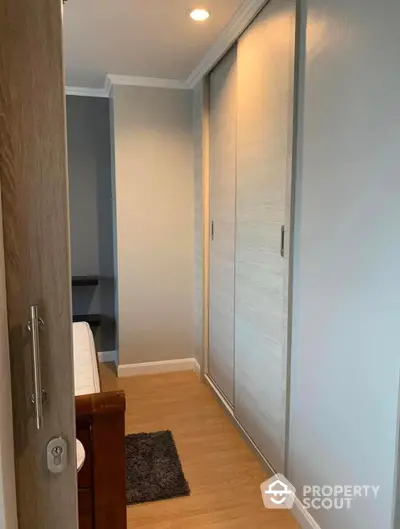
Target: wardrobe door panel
column 223, row 114
column 265, row 114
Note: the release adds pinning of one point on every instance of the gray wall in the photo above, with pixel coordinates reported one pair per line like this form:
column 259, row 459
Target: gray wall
column 89, row 163
column 346, row 306
column 83, row 116
column 153, row 137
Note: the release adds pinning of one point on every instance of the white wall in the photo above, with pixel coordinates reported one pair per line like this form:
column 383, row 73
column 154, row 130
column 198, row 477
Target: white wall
column 346, row 312
column 8, row 512
column 154, row 184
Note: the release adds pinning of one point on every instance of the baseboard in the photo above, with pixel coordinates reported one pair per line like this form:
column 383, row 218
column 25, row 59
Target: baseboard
column 197, row 367
column 107, row 356
column 153, row 368
column 303, row 517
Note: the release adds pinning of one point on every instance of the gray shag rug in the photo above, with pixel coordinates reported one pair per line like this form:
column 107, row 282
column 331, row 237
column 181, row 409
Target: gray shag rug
column 153, row 468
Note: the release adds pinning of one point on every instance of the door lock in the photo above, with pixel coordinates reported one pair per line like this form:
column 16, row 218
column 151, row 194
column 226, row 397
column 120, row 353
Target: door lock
column 57, row 455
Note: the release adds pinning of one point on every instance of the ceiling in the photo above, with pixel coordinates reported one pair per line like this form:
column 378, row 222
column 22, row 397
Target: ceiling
column 141, row 38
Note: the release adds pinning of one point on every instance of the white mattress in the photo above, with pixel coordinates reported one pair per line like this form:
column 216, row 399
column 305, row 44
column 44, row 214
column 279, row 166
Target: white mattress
column 85, row 360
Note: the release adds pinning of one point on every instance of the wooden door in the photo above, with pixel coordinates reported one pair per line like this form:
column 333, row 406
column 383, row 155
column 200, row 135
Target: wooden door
column 223, row 114
column 34, row 189
column 8, row 503
column 265, row 117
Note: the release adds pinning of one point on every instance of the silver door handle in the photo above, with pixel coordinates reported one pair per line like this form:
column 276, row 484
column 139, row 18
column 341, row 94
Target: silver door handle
column 37, row 396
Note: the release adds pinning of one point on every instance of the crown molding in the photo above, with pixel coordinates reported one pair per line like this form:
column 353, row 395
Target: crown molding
column 86, row 92
column 240, row 21
column 126, row 80
column 107, row 86
column 152, row 82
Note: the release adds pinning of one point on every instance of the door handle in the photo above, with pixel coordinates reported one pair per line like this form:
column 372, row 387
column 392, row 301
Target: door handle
column 34, row 325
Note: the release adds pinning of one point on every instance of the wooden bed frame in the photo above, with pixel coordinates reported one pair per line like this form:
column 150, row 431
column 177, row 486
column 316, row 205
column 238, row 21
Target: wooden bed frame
column 100, row 426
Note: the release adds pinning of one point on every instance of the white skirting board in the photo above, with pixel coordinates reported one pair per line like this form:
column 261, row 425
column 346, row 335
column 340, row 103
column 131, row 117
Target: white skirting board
column 303, row 517
column 108, row 356
column 152, row 368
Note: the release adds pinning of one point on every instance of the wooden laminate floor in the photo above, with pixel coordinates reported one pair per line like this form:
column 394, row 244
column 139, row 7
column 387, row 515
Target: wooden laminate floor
column 223, row 474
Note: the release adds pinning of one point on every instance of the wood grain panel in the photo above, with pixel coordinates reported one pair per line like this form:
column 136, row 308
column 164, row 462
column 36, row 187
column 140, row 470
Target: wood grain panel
column 33, row 179
column 108, row 437
column 265, row 114
column 223, row 114
column 8, row 499
column 100, row 421
column 86, row 520
column 83, row 433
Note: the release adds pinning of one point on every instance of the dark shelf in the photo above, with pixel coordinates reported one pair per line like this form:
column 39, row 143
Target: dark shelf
column 94, row 320
column 85, row 281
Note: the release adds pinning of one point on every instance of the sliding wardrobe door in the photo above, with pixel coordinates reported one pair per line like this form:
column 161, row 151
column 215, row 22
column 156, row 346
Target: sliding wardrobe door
column 265, row 113
column 223, row 113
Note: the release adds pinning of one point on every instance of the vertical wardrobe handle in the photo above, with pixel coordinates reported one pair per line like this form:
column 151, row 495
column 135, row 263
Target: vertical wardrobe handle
column 212, row 230
column 282, row 241
column 34, row 325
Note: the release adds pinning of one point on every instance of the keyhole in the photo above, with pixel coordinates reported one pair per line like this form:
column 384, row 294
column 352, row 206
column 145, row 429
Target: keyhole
column 57, row 453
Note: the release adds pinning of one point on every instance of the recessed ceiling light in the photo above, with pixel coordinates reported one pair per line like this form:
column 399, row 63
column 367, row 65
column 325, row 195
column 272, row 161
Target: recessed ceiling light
column 199, row 15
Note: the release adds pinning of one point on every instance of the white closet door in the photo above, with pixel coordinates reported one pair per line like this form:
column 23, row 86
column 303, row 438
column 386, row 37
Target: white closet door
column 223, row 114
column 265, row 113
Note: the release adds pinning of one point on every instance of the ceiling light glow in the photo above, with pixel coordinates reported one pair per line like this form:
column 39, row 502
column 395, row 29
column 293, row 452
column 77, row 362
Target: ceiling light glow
column 199, row 15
